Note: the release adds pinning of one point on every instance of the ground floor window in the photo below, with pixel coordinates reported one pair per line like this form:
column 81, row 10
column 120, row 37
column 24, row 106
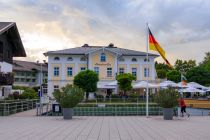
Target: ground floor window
column 70, row 71
column 56, row 87
column 121, row 70
column 109, row 72
column 146, row 72
column 82, row 69
column 96, row 69
column 134, row 72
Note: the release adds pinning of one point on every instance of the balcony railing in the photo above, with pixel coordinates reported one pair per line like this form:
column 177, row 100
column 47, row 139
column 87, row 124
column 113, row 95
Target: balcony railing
column 6, row 78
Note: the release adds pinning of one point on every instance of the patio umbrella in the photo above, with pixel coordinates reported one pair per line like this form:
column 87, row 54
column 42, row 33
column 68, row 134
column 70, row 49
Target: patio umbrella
column 196, row 85
column 168, row 83
column 191, row 89
column 143, row 84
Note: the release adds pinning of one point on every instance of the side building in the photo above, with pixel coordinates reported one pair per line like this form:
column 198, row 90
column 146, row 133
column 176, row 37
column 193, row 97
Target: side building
column 29, row 73
column 107, row 61
column 10, row 46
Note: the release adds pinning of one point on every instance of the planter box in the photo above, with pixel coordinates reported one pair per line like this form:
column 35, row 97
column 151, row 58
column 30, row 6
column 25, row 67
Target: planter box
column 168, row 113
column 68, row 113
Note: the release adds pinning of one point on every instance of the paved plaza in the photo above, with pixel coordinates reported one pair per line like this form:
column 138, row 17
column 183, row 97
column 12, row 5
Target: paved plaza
column 104, row 128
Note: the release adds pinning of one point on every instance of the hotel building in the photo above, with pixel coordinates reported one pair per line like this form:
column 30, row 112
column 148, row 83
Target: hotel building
column 106, row 61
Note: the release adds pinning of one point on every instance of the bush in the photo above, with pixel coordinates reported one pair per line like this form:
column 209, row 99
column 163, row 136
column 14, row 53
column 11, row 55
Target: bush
column 99, row 96
column 167, row 98
column 28, row 93
column 70, row 97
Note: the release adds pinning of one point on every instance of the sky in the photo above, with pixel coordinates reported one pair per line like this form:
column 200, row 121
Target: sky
column 182, row 27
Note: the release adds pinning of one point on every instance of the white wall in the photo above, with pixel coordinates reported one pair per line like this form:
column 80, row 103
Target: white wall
column 5, row 67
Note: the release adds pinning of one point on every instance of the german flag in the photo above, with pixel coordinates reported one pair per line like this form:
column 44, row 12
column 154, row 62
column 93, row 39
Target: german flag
column 153, row 45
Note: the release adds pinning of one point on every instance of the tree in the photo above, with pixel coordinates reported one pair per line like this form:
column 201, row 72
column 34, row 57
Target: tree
column 87, row 80
column 198, row 74
column 124, row 81
column 184, row 66
column 206, row 58
column 161, row 69
column 174, row 75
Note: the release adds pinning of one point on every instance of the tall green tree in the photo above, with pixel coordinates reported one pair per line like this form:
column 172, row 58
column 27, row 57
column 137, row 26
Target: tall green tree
column 161, row 69
column 125, row 81
column 174, row 75
column 198, row 74
column 87, row 80
column 184, row 66
column 206, row 62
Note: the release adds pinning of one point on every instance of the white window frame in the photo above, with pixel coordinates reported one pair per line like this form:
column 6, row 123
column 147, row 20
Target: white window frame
column 56, row 71
column 103, row 57
column 82, row 68
column 146, row 74
column 96, row 69
column 134, row 72
column 121, row 70
column 69, row 71
column 56, row 87
column 109, row 72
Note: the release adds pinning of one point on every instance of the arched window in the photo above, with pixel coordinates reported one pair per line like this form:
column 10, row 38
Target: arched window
column 103, row 57
column 134, row 60
column 56, row 58
column 121, row 59
column 69, row 59
column 145, row 60
column 83, row 59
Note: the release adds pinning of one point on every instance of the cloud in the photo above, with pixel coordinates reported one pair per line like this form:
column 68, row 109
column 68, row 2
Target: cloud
column 179, row 26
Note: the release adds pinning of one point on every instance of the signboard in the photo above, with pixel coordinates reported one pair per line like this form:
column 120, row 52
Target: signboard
column 101, row 105
column 102, row 64
column 57, row 108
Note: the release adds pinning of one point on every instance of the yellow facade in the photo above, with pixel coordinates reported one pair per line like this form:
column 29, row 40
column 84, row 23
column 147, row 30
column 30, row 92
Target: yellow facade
column 110, row 63
column 82, row 65
column 66, row 71
column 56, row 78
column 150, row 72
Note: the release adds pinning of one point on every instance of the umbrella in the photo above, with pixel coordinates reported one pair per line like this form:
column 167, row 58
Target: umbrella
column 196, row 85
column 168, row 83
column 191, row 89
column 143, row 84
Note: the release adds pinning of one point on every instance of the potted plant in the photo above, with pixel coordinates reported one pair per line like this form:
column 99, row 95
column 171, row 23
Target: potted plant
column 68, row 99
column 167, row 99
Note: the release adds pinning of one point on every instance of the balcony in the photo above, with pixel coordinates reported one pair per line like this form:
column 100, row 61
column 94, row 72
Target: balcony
column 6, row 78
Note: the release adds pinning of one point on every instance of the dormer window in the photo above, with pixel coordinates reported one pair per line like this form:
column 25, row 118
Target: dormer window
column 56, row 58
column 69, row 59
column 134, row 60
column 103, row 57
column 82, row 59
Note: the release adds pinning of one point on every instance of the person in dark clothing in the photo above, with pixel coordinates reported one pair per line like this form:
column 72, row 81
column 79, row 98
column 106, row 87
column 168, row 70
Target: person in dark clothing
column 183, row 107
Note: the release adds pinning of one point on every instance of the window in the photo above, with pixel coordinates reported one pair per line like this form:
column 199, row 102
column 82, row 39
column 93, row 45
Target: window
column 121, row 70
column 56, row 71
column 145, row 60
column 33, row 80
column 82, row 69
column 146, row 72
column 96, row 69
column 134, row 60
column 69, row 71
column 69, row 59
column 103, row 57
column 83, row 59
column 134, row 71
column 56, row 58
column 109, row 72
column 56, row 87
column 22, row 79
column 16, row 79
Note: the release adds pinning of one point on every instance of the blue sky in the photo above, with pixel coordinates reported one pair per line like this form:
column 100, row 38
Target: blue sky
column 182, row 27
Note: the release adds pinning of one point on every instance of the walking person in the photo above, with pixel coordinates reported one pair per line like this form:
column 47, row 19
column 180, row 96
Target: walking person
column 183, row 107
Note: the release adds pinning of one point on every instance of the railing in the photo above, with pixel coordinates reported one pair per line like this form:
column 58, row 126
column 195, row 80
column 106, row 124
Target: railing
column 6, row 78
column 8, row 107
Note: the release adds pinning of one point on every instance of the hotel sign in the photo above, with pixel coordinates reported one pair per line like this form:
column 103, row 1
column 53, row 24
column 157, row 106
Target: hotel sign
column 102, row 64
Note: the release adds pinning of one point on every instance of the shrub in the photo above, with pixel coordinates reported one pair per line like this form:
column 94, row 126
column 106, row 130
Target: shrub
column 167, row 98
column 28, row 93
column 70, row 97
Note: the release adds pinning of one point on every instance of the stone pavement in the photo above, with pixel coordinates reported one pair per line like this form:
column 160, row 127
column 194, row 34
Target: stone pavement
column 104, row 128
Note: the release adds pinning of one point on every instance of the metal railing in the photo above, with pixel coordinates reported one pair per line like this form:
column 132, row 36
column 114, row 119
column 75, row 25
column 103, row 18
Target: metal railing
column 8, row 107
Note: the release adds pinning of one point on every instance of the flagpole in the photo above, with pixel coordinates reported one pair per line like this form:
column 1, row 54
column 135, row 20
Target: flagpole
column 147, row 71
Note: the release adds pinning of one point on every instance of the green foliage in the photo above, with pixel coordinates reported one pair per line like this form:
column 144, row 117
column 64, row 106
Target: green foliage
column 162, row 69
column 161, row 73
column 87, row 80
column 124, row 81
column 20, row 87
column 28, row 93
column 206, row 58
column 174, row 75
column 184, row 66
column 199, row 75
column 167, row 98
column 133, row 95
column 70, row 97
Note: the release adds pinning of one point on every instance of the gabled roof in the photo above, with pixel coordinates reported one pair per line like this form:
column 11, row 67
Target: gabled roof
column 28, row 66
column 11, row 31
column 85, row 49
